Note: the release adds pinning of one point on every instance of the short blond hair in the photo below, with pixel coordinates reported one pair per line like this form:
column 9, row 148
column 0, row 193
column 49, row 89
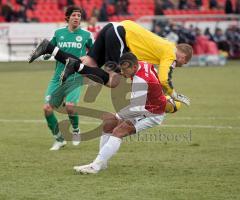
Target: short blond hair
column 186, row 49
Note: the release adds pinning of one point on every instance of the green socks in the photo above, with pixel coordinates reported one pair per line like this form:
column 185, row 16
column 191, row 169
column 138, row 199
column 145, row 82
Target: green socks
column 53, row 126
column 74, row 120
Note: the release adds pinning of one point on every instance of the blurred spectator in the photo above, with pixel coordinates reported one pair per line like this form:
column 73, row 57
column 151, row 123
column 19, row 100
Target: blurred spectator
column 167, row 4
column 20, row 2
column 237, row 7
column 174, row 32
column 70, row 2
column 213, row 4
column 93, row 27
column 158, row 29
column 103, row 16
column 183, row 4
column 30, row 4
column 233, row 37
column 198, row 4
column 8, row 12
column 219, row 35
column 228, row 7
column 221, row 40
column 95, row 12
column 171, row 33
column 83, row 14
column 121, row 7
column 208, row 34
column 21, row 14
column 64, row 3
column 113, row 2
column 158, row 10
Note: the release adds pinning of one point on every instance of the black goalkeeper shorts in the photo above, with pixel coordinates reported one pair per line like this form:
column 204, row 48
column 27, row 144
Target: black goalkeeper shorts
column 110, row 44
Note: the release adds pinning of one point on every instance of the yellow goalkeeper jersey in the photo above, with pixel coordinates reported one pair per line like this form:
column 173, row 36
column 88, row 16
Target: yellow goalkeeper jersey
column 151, row 48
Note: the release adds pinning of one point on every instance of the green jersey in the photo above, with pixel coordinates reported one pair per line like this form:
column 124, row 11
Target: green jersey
column 75, row 43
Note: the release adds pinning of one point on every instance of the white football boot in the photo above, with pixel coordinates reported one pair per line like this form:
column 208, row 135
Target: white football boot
column 57, row 145
column 76, row 137
column 92, row 168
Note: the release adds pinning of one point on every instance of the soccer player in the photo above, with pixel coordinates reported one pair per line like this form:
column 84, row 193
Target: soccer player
column 74, row 40
column 114, row 40
column 146, row 110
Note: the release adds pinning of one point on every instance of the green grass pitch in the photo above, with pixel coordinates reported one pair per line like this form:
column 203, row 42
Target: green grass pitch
column 196, row 157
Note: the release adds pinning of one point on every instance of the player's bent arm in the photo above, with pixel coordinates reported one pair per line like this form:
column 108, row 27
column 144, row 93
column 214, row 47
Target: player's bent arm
column 165, row 75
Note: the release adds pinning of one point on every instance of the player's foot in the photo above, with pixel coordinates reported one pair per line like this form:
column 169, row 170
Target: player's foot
column 76, row 137
column 68, row 69
column 39, row 50
column 91, row 168
column 86, row 169
column 57, row 145
column 78, row 168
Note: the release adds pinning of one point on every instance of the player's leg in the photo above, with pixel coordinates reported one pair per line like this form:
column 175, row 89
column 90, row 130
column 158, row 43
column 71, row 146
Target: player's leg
column 45, row 47
column 53, row 126
column 109, row 123
column 71, row 100
column 109, row 46
column 125, row 128
column 115, row 47
column 94, row 73
column 51, row 117
column 109, row 149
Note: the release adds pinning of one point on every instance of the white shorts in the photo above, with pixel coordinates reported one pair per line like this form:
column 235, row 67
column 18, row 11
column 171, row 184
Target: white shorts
column 142, row 122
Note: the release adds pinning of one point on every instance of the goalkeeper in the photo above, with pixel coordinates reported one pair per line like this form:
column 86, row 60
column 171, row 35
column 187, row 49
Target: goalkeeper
column 114, row 40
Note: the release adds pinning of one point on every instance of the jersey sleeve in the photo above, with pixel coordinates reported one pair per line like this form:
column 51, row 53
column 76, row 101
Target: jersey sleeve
column 137, row 101
column 90, row 41
column 165, row 75
column 54, row 39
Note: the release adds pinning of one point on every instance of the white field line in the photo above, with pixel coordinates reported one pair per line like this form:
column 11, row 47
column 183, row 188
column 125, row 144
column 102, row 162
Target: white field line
column 98, row 122
column 206, row 118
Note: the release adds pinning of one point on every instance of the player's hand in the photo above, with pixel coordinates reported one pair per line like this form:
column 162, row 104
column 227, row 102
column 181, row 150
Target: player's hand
column 181, row 98
column 47, row 56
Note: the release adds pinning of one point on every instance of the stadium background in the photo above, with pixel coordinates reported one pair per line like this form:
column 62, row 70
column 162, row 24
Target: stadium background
column 196, row 152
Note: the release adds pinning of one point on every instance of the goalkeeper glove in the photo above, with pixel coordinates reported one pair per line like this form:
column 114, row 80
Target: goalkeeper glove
column 181, row 98
column 47, row 56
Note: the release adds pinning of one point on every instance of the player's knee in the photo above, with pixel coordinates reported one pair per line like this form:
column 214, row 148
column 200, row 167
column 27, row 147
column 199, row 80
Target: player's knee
column 172, row 106
column 109, row 122
column 117, row 133
column 107, row 128
column 48, row 109
column 124, row 129
column 70, row 108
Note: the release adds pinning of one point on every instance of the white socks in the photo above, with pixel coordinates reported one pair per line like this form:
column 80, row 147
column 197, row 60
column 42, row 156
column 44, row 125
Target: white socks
column 55, row 51
column 103, row 139
column 107, row 151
